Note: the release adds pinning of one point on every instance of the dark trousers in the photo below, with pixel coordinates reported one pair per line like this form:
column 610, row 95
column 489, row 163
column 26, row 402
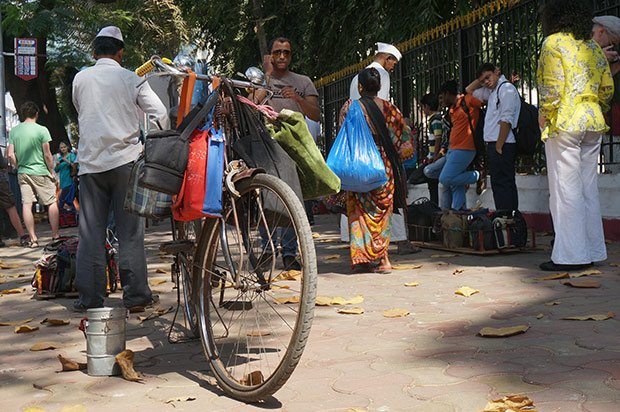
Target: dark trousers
column 99, row 192
column 502, row 172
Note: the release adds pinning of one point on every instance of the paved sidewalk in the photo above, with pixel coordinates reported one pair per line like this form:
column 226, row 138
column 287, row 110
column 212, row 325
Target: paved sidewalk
column 431, row 360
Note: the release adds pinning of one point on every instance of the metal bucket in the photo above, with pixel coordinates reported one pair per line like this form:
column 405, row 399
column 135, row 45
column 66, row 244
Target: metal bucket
column 105, row 338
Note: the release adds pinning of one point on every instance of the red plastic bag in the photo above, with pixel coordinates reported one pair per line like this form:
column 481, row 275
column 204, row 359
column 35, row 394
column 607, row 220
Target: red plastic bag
column 189, row 203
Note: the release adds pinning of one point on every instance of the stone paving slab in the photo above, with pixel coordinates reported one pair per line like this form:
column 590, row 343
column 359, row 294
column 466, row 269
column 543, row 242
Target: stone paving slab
column 431, row 360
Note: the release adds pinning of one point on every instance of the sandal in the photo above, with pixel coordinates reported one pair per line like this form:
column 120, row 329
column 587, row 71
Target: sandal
column 383, row 269
column 33, row 244
column 24, row 241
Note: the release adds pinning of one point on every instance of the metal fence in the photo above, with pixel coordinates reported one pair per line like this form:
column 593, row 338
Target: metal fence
column 510, row 38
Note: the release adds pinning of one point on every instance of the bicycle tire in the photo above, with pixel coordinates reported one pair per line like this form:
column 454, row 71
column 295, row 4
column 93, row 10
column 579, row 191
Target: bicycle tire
column 190, row 284
column 220, row 345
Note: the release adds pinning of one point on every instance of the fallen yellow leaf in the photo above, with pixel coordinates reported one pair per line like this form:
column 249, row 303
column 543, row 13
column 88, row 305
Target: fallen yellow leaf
column 315, row 235
column 457, row 271
column 554, row 277
column 489, row 332
column 466, row 291
column 510, row 403
column 71, row 365
column 589, row 272
column 540, row 316
column 396, row 313
column 399, row 266
column 288, row 275
column 614, row 264
column 332, row 257
column 156, row 313
column 16, row 322
column 252, row 379
column 287, row 299
column 45, row 346
column 351, row 311
column 12, row 291
column 583, row 283
column 256, row 333
column 412, row 284
column 443, row 255
column 320, row 301
column 73, row 408
column 354, row 300
column 55, row 322
column 25, row 329
column 338, row 300
column 604, row 316
column 125, row 361
column 280, row 286
column 9, row 265
column 181, row 399
column 553, row 303
column 34, row 409
column 159, row 270
column 157, row 282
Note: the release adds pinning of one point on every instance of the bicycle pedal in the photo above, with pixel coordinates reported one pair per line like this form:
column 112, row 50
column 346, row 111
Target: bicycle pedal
column 237, row 305
column 176, row 246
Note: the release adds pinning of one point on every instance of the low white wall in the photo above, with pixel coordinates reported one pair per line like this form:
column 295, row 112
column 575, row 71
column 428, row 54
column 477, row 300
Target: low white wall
column 534, row 194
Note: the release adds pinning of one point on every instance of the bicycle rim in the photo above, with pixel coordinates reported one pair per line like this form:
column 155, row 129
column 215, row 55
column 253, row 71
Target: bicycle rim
column 254, row 333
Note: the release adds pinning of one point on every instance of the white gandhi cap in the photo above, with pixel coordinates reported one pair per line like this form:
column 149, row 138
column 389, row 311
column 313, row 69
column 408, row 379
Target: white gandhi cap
column 111, row 31
column 388, row 48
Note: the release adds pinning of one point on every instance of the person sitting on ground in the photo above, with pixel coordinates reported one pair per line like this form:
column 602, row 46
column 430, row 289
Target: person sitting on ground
column 29, row 152
column 369, row 213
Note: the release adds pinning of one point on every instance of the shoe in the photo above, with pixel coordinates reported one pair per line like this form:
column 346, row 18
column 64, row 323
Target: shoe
column 149, row 304
column 406, row 248
column 555, row 267
column 24, row 241
column 481, row 185
column 290, row 263
column 79, row 307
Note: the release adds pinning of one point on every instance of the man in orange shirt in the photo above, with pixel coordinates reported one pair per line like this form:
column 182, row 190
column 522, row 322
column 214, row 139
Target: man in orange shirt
column 464, row 112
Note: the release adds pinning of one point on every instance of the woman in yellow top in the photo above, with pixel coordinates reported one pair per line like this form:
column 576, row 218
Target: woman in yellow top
column 574, row 86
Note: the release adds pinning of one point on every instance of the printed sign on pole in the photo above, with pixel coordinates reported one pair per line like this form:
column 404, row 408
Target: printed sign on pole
column 26, row 58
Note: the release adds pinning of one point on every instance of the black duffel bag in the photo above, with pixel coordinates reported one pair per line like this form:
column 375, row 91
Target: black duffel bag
column 420, row 219
column 166, row 151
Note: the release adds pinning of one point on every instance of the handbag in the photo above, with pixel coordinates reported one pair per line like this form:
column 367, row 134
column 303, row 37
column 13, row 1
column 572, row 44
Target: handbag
column 143, row 201
column 316, row 179
column 354, row 157
column 166, row 152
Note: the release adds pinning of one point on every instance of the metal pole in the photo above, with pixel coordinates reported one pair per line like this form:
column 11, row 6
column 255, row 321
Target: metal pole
column 2, row 91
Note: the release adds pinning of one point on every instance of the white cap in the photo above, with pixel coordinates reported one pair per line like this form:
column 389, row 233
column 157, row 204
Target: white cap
column 611, row 23
column 388, row 48
column 111, row 31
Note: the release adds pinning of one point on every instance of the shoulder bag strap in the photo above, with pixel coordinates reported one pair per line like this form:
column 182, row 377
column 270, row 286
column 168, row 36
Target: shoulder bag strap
column 466, row 110
column 208, row 105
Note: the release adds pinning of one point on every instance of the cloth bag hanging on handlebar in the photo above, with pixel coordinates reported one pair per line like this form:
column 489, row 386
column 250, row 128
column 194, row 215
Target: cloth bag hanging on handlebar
column 166, row 152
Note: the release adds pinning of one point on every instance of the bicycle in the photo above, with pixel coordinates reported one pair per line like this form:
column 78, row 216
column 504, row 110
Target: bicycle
column 254, row 315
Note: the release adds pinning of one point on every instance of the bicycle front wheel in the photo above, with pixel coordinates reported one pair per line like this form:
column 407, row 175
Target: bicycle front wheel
column 256, row 309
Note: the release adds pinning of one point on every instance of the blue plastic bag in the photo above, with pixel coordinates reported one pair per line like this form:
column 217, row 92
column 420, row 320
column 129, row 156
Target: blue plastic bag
column 354, row 157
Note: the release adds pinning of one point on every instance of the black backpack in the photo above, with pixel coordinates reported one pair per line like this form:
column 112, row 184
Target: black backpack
column 527, row 131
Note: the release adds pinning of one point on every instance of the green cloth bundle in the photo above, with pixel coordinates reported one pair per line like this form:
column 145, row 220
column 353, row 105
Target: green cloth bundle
column 291, row 132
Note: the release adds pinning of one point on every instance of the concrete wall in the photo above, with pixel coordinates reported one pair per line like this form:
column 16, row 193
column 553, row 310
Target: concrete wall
column 534, row 201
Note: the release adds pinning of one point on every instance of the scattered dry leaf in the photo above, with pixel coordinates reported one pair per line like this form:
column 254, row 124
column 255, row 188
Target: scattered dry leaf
column 322, row 301
column 396, row 313
column 583, row 283
column 503, row 332
column 614, row 264
column 332, row 257
column 601, row 316
column 156, row 313
column 157, row 282
column 554, row 277
column 253, row 378
column 55, row 322
column 16, row 322
column 412, row 284
column 553, row 303
column 25, row 329
column 39, row 346
column 338, row 300
column 71, row 365
column 181, row 399
column 125, row 361
column 443, row 255
column 287, row 299
column 160, row 270
column 357, row 410
column 288, row 275
column 256, row 333
column 315, row 235
column 457, row 271
column 12, row 291
column 351, row 311
column 280, row 286
column 540, row 316
column 354, row 300
column 510, row 403
column 34, row 409
column 466, row 291
column 588, row 272
column 400, row 266
column 73, row 408
column 9, row 265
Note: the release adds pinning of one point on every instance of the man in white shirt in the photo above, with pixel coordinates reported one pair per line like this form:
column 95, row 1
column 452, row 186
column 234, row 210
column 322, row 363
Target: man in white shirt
column 503, row 107
column 108, row 101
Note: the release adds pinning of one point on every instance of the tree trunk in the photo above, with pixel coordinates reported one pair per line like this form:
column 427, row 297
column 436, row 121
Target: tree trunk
column 257, row 9
column 38, row 90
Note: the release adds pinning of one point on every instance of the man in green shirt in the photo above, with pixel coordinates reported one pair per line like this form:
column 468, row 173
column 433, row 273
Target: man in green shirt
column 29, row 152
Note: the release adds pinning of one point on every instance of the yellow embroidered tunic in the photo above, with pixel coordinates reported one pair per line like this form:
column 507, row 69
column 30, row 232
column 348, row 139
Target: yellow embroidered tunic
column 574, row 85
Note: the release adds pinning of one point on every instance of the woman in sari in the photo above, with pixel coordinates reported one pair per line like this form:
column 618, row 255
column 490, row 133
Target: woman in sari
column 369, row 213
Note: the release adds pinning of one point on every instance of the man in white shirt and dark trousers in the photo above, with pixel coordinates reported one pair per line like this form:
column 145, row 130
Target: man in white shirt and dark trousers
column 503, row 107
column 108, row 101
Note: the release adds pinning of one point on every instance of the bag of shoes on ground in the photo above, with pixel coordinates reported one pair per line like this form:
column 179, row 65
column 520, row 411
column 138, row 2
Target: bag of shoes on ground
column 510, row 229
column 142, row 201
column 453, row 230
column 66, row 264
column 420, row 216
column 67, row 218
column 482, row 236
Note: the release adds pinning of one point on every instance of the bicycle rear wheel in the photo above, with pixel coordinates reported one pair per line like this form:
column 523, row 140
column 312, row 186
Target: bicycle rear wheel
column 254, row 332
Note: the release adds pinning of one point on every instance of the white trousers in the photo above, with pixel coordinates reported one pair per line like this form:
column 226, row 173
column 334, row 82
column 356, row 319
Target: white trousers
column 398, row 232
column 572, row 161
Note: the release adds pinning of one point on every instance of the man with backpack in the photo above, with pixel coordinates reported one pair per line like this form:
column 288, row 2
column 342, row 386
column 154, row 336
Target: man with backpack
column 502, row 116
